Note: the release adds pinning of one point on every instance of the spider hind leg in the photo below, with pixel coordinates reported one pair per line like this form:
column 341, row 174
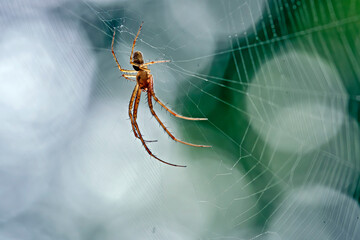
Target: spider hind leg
column 137, row 100
column 164, row 127
column 133, row 115
column 171, row 111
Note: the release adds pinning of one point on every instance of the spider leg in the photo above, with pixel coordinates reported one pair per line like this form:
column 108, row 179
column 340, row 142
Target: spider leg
column 137, row 100
column 135, row 110
column 144, row 68
column 133, row 95
column 151, row 89
column 117, row 62
column 164, row 127
column 153, row 62
column 133, row 46
column 134, row 116
column 128, row 77
column 144, row 65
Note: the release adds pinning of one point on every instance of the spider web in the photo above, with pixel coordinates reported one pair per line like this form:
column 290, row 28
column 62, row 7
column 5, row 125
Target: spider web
column 278, row 82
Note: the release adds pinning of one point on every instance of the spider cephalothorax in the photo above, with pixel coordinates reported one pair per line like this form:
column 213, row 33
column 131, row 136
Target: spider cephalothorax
column 138, row 59
column 145, row 83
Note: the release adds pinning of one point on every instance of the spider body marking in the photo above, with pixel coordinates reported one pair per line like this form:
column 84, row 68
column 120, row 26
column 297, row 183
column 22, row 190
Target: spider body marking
column 145, row 83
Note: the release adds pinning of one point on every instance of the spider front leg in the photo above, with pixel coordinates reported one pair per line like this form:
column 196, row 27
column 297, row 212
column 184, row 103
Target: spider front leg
column 141, row 65
column 137, row 100
column 117, row 62
column 134, row 42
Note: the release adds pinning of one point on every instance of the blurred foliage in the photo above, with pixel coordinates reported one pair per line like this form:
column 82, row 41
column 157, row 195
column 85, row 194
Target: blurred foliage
column 325, row 28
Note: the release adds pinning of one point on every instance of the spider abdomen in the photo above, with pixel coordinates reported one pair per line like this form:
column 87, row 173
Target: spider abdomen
column 143, row 78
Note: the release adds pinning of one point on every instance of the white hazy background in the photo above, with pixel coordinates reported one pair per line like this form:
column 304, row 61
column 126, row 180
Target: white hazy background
column 70, row 167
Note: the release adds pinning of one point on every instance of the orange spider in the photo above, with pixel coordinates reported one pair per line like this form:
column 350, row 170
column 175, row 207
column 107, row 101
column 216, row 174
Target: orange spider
column 144, row 82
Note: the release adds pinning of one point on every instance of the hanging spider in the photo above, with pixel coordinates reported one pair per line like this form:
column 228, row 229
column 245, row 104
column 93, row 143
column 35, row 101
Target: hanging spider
column 144, row 82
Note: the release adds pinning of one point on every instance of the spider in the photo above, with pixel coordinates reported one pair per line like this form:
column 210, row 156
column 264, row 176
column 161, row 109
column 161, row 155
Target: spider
column 144, row 82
